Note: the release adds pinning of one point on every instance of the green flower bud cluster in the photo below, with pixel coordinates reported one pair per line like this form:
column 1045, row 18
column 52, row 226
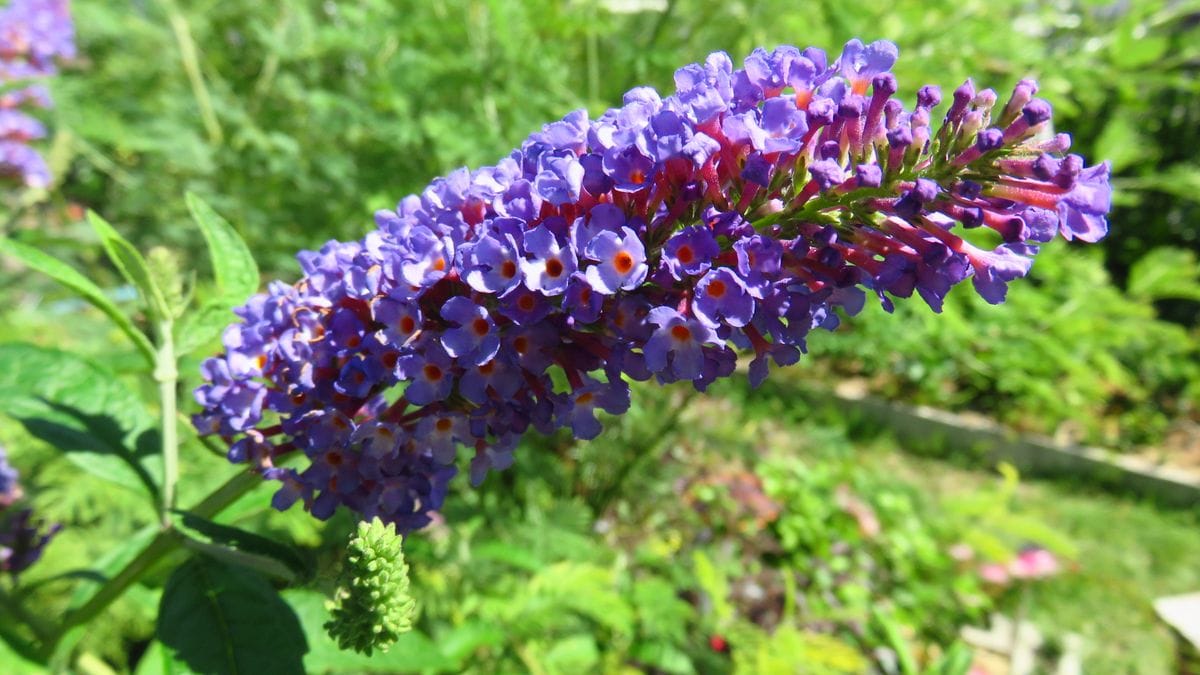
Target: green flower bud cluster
column 372, row 606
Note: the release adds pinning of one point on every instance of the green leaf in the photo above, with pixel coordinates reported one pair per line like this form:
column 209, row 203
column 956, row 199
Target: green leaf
column 131, row 265
column 1132, row 48
column 1165, row 273
column 82, row 409
column 462, row 641
column 412, row 652
column 75, row 281
column 158, row 661
column 1122, row 141
column 572, row 654
column 663, row 656
column 1180, row 180
column 892, row 637
column 956, row 661
column 233, row 265
column 715, row 585
column 240, row 547
column 16, row 664
column 583, row 588
column 196, row 329
column 218, row 618
column 112, row 562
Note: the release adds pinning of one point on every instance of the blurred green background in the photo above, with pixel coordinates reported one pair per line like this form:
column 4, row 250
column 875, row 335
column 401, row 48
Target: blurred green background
column 297, row 118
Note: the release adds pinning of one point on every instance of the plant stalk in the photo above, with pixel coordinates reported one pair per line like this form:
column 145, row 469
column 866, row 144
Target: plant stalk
column 167, row 375
column 191, row 65
column 165, row 542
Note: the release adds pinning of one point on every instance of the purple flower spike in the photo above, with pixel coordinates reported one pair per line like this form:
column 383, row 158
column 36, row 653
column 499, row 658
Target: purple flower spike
column 646, row 242
column 34, row 35
column 621, row 261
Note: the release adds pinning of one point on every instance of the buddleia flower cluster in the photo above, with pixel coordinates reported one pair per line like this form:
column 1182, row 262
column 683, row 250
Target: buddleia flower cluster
column 653, row 242
column 21, row 539
column 34, row 35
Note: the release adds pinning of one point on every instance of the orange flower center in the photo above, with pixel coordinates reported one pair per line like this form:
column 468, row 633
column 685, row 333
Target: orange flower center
column 623, row 262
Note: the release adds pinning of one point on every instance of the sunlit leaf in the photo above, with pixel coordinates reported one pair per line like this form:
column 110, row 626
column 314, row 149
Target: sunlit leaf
column 75, row 281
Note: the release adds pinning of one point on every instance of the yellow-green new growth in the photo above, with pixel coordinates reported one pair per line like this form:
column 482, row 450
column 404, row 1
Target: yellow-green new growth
column 372, row 606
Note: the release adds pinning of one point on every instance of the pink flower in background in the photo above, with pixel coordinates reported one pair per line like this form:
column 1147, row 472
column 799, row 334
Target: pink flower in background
column 993, row 573
column 1034, row 563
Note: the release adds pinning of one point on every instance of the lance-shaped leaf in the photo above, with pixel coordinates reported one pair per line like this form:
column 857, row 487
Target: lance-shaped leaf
column 233, row 265
column 67, row 276
column 233, row 545
column 131, row 265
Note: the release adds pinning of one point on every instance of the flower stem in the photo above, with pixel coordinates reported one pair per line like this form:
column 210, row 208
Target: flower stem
column 167, row 375
column 191, row 65
column 165, row 542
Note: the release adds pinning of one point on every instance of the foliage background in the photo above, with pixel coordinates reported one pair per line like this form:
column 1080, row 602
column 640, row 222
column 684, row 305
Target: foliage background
column 297, row 118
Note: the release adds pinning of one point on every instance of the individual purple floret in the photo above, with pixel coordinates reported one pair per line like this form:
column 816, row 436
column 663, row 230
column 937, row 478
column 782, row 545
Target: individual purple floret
column 747, row 209
column 620, row 261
